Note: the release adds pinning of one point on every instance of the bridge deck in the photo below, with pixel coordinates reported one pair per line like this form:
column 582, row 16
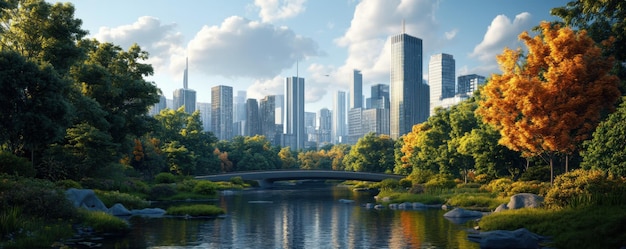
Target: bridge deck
column 283, row 175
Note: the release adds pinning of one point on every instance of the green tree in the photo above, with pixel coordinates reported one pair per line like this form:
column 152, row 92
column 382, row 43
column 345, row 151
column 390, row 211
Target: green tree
column 607, row 149
column 371, row 153
column 35, row 110
column 287, row 158
column 337, row 153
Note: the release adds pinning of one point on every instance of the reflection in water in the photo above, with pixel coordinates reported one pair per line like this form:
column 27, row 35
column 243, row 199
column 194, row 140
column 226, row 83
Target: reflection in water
column 299, row 218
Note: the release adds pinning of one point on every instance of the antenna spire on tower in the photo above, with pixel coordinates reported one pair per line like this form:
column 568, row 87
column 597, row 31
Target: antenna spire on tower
column 403, row 29
column 185, row 74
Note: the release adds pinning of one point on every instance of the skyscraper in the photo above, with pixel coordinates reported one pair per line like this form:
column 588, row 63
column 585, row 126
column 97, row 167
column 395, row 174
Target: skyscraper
column 156, row 108
column 467, row 84
column 409, row 95
column 205, row 115
column 222, row 112
column 252, row 122
column 239, row 113
column 269, row 112
column 185, row 96
column 293, row 128
column 324, row 126
column 441, row 79
column 380, row 97
column 339, row 117
column 356, row 90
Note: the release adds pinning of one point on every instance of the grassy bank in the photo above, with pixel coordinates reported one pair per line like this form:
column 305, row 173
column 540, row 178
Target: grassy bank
column 587, row 227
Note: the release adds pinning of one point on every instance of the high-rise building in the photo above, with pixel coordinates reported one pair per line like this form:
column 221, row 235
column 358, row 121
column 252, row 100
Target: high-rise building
column 205, row 115
column 252, row 122
column 467, row 84
column 380, row 97
column 356, row 90
column 339, row 117
column 376, row 120
column 239, row 113
column 355, row 125
column 293, row 108
column 222, row 112
column 185, row 96
column 309, row 128
column 324, row 126
column 409, row 95
column 156, row 108
column 441, row 79
column 269, row 109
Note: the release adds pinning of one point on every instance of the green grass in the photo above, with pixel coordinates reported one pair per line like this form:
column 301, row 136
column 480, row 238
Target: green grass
column 195, row 210
column 397, row 197
column 481, row 201
column 102, row 222
column 589, row 227
column 19, row 231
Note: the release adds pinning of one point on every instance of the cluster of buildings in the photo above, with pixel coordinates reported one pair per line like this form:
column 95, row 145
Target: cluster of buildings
column 391, row 109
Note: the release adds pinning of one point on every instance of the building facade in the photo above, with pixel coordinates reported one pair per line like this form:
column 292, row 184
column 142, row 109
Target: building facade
column 222, row 112
column 339, row 117
column 467, row 84
column 293, row 126
column 205, row 115
column 356, row 89
column 408, row 94
column 441, row 79
column 186, row 98
column 324, row 126
column 252, row 121
column 269, row 107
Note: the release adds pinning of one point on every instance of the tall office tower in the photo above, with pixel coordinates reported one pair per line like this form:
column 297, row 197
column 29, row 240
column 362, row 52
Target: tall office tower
column 409, row 96
column 441, row 79
column 324, row 126
column 185, row 96
column 355, row 125
column 205, row 115
column 239, row 113
column 222, row 112
column 309, row 128
column 253, row 121
column 156, row 108
column 380, row 97
column 467, row 84
column 293, row 127
column 268, row 111
column 356, row 90
column 339, row 117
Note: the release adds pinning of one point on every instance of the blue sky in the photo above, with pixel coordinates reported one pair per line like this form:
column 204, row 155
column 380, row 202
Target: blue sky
column 253, row 45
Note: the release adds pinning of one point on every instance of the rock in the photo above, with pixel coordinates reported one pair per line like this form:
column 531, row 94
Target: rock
column 151, row 212
column 462, row 213
column 405, row 205
column 119, row 210
column 522, row 200
column 418, row 205
column 517, row 239
column 379, row 206
column 346, row 201
column 369, row 205
column 85, row 198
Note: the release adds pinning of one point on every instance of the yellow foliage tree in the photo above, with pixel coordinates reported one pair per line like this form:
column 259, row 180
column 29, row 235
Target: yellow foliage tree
column 551, row 99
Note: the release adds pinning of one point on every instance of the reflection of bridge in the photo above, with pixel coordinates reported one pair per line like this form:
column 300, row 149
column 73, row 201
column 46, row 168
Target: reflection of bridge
column 266, row 178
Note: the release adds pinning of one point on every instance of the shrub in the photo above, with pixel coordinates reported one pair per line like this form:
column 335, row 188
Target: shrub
column 533, row 187
column 134, row 186
column 161, row 191
column 205, row 188
column 97, row 183
column 483, row 178
column 421, row 176
column 441, row 182
column 406, row 183
column 104, row 223
column 196, row 210
column 584, row 188
column 539, row 173
column 186, row 185
column 165, row 178
column 237, row 180
column 109, row 198
column 498, row 186
column 67, row 184
column 389, row 184
column 416, row 189
column 14, row 165
column 36, row 198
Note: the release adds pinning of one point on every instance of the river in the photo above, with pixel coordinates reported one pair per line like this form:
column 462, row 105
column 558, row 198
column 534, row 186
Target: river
column 303, row 216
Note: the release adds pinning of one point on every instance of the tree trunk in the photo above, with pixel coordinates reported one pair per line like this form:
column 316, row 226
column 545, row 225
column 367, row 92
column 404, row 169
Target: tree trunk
column 566, row 163
column 551, row 171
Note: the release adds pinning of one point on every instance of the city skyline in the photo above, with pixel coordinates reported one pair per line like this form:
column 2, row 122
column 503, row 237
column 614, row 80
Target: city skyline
column 254, row 45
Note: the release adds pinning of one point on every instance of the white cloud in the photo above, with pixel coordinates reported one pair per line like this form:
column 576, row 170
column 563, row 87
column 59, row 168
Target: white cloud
column 244, row 48
column 162, row 41
column 272, row 10
column 501, row 33
column 261, row 88
column 451, row 34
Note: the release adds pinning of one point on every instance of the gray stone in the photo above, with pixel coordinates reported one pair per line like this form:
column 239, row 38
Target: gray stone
column 501, row 239
column 152, row 212
column 85, row 198
column 462, row 213
column 119, row 210
column 522, row 200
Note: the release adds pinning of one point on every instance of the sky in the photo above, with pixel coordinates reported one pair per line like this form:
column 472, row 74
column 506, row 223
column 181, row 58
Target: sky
column 253, row 45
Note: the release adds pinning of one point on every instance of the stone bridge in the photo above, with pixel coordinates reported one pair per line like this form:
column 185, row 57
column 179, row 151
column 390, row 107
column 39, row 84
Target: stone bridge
column 266, row 178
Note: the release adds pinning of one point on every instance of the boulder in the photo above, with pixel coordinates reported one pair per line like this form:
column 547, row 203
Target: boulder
column 462, row 213
column 522, row 200
column 150, row 212
column 119, row 210
column 517, row 239
column 85, row 198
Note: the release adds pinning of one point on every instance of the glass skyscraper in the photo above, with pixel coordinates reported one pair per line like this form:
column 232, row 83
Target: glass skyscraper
column 441, row 79
column 409, row 94
column 467, row 84
column 185, row 96
column 222, row 112
column 339, row 117
column 356, row 90
column 293, row 128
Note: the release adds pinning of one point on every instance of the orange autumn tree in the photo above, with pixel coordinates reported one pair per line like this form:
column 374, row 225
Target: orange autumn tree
column 550, row 100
